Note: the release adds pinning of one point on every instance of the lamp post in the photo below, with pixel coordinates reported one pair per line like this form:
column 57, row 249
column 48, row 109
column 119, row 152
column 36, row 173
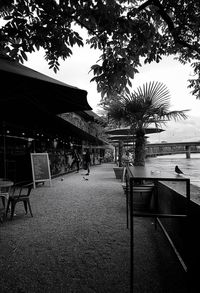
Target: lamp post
column 4, row 150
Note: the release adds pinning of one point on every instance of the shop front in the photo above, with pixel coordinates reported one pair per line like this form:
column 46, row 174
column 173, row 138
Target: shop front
column 29, row 121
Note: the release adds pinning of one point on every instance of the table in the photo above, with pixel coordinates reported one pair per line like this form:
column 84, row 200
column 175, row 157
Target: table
column 6, row 183
column 138, row 173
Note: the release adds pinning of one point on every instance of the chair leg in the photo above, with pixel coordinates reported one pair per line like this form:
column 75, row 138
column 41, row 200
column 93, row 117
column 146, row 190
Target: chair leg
column 7, row 208
column 1, row 219
column 3, row 201
column 2, row 215
column 12, row 210
column 29, row 205
column 25, row 206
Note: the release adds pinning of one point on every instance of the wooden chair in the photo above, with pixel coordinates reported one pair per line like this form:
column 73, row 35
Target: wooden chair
column 142, row 195
column 20, row 193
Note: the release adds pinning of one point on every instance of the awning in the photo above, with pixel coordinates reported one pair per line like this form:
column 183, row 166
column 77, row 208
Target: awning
column 37, row 121
column 20, row 84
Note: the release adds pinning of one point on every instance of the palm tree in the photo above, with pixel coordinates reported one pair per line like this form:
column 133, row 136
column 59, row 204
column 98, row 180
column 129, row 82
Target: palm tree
column 146, row 105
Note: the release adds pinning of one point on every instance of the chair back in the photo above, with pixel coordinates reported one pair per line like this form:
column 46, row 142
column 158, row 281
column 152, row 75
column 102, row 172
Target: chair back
column 143, row 188
column 22, row 188
column 4, row 191
column 142, row 196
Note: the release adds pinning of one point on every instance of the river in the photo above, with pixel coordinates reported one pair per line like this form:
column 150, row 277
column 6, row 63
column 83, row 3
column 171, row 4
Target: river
column 190, row 167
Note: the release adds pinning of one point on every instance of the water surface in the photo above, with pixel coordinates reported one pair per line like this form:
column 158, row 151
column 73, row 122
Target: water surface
column 190, row 167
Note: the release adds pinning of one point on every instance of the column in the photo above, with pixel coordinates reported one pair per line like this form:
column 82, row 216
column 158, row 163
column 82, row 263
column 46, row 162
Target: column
column 187, row 148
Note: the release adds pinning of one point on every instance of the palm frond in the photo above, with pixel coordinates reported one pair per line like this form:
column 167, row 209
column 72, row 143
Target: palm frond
column 147, row 104
column 176, row 115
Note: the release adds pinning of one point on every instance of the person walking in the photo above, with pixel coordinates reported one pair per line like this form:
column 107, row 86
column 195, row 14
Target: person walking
column 87, row 161
column 76, row 160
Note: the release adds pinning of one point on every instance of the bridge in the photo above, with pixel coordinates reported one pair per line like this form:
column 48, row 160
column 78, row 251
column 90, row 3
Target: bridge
column 155, row 149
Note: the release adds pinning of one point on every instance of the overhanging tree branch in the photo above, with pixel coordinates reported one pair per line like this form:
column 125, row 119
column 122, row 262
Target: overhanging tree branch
column 172, row 28
column 164, row 15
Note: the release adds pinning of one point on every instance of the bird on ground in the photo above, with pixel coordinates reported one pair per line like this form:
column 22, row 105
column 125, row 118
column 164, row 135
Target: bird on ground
column 85, row 178
column 177, row 170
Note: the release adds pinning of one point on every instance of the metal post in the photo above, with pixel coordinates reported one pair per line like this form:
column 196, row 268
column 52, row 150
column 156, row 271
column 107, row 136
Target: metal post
column 188, row 235
column 131, row 237
column 4, row 149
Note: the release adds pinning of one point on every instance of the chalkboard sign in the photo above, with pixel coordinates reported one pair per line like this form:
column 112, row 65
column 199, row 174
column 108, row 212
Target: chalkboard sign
column 40, row 167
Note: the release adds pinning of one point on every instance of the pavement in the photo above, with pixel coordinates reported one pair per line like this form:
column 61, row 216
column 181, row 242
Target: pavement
column 77, row 241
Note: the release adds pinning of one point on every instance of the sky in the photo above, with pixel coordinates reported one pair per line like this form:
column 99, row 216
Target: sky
column 75, row 71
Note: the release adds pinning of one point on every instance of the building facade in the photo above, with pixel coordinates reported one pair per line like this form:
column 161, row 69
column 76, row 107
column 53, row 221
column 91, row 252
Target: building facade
column 80, row 131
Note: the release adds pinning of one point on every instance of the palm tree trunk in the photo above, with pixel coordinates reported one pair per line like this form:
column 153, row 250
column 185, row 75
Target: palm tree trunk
column 140, row 144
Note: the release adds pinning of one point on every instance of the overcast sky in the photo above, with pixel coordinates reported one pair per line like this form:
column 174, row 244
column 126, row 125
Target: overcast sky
column 75, row 71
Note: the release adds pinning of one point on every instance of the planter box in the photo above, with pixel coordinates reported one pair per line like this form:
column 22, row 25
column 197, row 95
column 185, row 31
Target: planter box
column 118, row 172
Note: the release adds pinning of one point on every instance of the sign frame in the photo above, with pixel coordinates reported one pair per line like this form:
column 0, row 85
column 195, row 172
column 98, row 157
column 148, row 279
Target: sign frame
column 47, row 166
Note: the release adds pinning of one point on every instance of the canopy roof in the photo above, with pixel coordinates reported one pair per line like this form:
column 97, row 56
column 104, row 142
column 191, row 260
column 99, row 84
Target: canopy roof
column 127, row 131
column 20, row 84
column 125, row 138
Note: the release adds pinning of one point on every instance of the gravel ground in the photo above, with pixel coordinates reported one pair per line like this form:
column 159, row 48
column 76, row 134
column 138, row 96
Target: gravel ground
column 77, row 240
